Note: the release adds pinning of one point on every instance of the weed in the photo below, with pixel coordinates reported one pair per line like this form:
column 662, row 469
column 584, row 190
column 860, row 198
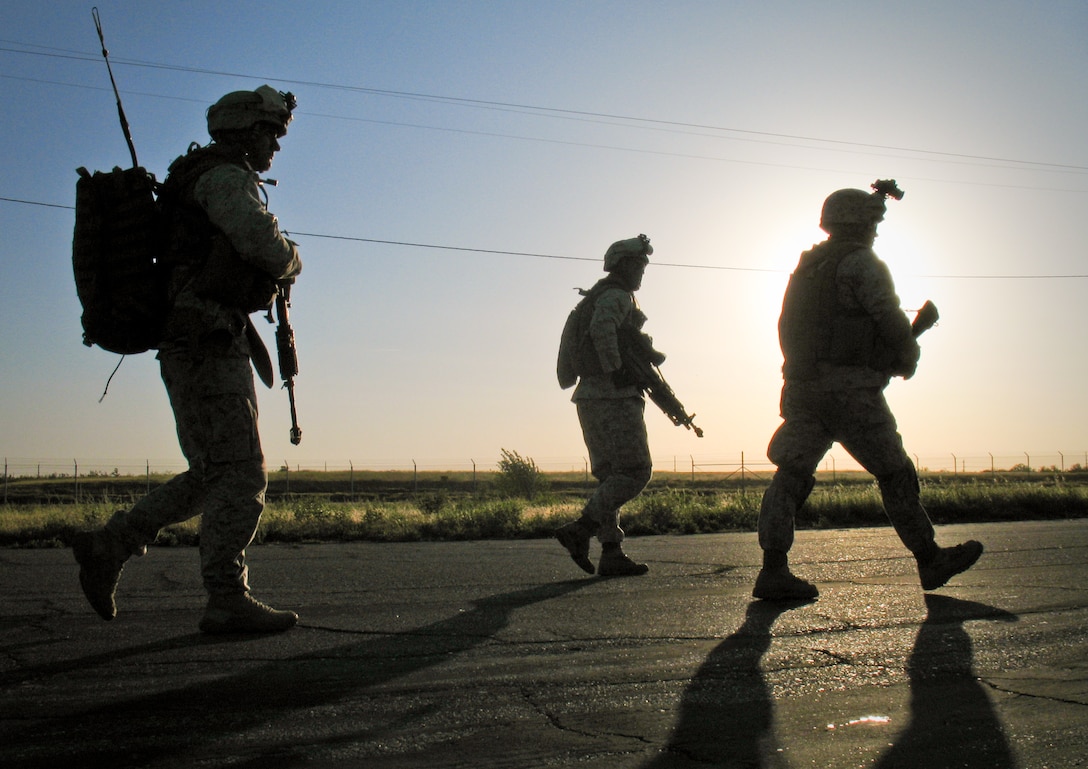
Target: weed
column 519, row 476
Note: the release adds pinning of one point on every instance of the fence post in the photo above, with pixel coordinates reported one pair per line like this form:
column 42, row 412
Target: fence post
column 473, row 461
column 351, row 476
column 287, row 477
column 75, row 476
column 415, row 477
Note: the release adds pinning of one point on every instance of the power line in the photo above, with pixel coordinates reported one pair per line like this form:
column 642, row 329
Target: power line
column 516, row 253
column 590, row 145
column 674, row 125
column 501, row 252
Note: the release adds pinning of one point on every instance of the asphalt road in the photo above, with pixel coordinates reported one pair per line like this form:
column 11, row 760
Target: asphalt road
column 504, row 654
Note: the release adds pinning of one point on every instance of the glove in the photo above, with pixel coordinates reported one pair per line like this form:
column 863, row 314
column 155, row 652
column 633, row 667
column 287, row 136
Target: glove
column 906, row 362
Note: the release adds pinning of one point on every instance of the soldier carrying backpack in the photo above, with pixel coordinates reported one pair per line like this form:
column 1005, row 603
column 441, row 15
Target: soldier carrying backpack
column 223, row 255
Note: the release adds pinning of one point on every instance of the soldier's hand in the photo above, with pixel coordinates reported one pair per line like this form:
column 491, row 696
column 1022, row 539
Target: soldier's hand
column 906, row 363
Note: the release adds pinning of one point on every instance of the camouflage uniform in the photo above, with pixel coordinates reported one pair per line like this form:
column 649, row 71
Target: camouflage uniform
column 205, row 365
column 612, row 418
column 844, row 401
column 843, row 337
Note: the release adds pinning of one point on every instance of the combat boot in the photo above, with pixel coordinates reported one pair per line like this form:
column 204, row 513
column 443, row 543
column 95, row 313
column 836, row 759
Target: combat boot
column 242, row 613
column 575, row 538
column 101, row 558
column 782, row 585
column 615, row 563
column 947, row 563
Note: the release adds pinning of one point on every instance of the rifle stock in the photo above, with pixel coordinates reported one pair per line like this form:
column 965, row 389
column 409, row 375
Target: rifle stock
column 926, row 319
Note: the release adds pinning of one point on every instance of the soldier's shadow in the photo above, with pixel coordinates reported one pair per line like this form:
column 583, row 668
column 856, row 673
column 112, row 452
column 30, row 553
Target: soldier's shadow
column 186, row 722
column 727, row 713
column 951, row 718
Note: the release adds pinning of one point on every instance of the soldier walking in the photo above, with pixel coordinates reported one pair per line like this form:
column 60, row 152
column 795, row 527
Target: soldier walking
column 843, row 337
column 611, row 407
column 226, row 256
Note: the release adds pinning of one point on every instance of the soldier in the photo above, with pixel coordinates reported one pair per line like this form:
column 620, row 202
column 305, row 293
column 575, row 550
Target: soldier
column 610, row 407
column 226, row 255
column 843, row 337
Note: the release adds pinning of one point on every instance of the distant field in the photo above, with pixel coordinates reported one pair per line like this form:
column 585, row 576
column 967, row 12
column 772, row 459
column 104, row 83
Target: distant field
column 316, row 506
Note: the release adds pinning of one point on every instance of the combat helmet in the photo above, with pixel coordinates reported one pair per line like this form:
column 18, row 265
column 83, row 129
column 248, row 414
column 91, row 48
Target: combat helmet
column 851, row 206
column 239, row 110
column 622, row 249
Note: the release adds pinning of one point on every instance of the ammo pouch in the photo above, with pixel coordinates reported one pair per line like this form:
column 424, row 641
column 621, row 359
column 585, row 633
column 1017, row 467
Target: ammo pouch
column 226, row 278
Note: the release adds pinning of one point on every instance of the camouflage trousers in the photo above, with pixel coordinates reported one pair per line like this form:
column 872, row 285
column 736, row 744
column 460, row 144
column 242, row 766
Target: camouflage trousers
column 215, row 408
column 614, row 430
column 861, row 421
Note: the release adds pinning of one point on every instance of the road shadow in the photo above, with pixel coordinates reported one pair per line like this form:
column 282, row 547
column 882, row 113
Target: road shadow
column 727, row 713
column 952, row 722
column 180, row 725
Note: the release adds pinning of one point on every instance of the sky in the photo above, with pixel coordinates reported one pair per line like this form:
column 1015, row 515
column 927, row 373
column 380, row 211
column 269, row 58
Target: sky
column 456, row 169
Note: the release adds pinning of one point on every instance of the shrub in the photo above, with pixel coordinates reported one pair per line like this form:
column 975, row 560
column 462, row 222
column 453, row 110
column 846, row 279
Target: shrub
column 519, row 476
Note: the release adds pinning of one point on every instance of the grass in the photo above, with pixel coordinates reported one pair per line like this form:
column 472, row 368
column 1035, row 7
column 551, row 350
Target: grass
column 452, row 509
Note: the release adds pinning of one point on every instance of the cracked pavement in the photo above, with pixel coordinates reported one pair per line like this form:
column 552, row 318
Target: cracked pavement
column 505, row 654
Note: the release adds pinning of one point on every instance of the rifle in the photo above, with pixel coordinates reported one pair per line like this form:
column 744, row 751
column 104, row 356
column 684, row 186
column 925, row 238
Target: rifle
column 884, row 358
column 926, row 319
column 288, row 356
column 641, row 361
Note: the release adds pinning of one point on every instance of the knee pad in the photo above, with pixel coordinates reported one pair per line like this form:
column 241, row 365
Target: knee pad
column 794, row 485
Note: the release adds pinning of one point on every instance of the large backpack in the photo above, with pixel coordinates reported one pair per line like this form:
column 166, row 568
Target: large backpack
column 577, row 357
column 120, row 276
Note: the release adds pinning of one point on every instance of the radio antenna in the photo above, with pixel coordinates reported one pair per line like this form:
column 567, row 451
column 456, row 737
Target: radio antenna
column 116, row 93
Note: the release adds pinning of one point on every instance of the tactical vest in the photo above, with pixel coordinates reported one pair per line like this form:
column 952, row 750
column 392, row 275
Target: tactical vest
column 577, row 355
column 814, row 326
column 201, row 253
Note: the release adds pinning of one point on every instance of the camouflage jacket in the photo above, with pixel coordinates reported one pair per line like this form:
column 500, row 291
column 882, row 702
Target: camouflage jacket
column 614, row 307
column 217, row 210
column 850, row 336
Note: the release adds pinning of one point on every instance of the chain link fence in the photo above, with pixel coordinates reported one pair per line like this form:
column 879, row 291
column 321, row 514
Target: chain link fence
column 69, row 477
